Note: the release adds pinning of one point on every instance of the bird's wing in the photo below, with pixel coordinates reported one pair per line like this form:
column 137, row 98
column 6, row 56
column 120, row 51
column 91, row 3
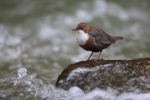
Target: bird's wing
column 100, row 36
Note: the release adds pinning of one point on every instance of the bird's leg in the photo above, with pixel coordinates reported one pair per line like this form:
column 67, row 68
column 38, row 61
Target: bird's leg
column 99, row 55
column 90, row 56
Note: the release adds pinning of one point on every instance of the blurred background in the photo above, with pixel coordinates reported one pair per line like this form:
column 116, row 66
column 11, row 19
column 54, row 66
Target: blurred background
column 36, row 34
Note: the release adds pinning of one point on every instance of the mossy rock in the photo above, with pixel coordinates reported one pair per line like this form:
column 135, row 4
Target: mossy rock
column 123, row 75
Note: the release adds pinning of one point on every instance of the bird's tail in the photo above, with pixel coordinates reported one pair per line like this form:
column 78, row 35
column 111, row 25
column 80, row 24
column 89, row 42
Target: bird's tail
column 117, row 38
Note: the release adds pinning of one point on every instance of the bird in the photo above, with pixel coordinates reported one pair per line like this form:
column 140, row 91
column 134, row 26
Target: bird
column 93, row 39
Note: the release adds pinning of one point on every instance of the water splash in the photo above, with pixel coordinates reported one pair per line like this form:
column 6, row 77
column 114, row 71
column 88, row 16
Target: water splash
column 31, row 87
column 22, row 72
column 25, row 87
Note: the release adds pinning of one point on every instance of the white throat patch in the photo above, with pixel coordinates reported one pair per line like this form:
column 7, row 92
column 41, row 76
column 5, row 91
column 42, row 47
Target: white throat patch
column 81, row 37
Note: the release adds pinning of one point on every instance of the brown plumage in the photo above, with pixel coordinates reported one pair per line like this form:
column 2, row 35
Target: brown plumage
column 94, row 39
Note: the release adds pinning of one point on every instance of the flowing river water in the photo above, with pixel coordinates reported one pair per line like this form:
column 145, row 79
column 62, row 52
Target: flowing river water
column 36, row 44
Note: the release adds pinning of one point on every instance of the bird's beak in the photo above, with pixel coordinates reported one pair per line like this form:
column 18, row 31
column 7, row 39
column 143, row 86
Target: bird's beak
column 74, row 30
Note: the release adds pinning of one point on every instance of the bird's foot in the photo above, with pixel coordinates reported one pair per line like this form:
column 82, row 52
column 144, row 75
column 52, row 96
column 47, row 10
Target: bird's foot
column 94, row 59
column 90, row 59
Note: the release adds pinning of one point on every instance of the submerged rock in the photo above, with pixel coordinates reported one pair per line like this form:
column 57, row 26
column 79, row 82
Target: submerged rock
column 123, row 75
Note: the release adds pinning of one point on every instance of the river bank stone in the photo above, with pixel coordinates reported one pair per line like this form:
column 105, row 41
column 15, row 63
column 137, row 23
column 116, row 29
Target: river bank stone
column 123, row 75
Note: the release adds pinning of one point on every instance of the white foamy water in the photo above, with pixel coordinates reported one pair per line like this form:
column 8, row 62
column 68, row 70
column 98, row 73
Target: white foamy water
column 26, row 86
column 109, row 94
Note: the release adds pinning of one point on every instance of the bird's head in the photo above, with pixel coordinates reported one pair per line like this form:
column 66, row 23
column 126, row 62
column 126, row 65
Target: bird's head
column 82, row 26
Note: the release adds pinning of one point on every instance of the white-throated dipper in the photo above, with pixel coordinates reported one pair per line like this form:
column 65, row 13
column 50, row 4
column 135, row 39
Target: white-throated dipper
column 93, row 39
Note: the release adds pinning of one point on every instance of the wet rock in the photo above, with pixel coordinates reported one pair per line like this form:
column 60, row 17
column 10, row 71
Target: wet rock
column 123, row 75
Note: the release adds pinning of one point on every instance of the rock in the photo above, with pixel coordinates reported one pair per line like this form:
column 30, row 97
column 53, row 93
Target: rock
column 123, row 75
